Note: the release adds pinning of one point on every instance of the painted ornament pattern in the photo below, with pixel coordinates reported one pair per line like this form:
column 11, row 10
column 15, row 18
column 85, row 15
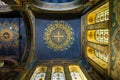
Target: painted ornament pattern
column 59, row 36
column 9, row 34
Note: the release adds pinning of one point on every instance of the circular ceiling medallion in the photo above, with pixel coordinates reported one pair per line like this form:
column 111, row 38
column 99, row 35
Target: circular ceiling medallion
column 58, row 36
column 116, row 40
column 9, row 35
column 6, row 35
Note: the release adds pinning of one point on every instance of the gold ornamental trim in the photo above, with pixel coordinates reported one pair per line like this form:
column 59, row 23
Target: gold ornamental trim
column 9, row 35
column 6, row 35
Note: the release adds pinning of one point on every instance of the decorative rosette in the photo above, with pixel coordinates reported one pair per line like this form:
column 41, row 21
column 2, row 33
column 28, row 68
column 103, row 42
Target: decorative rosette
column 59, row 36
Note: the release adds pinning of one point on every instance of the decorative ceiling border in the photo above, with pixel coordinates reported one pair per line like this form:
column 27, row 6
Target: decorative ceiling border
column 57, row 6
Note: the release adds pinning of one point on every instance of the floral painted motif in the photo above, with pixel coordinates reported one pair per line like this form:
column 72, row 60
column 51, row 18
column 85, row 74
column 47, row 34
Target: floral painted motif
column 116, row 41
column 9, row 34
column 58, row 36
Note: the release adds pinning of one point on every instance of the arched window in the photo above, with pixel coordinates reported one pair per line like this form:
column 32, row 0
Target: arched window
column 102, row 35
column 98, row 36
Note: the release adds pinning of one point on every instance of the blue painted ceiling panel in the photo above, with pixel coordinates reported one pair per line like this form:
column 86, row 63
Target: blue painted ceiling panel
column 12, row 37
column 57, row 39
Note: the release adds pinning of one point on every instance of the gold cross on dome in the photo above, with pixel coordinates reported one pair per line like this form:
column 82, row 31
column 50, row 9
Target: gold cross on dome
column 58, row 36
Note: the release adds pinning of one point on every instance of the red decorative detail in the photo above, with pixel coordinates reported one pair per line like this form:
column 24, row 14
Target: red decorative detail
column 106, row 35
column 97, row 35
column 102, row 17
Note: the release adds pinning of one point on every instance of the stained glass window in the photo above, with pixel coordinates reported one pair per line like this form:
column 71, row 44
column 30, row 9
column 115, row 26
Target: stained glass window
column 102, row 35
column 102, row 16
column 58, row 73
column 97, row 18
column 102, row 55
column 39, row 74
column 58, row 76
column 106, row 14
column 97, row 34
column 75, row 76
column 76, row 73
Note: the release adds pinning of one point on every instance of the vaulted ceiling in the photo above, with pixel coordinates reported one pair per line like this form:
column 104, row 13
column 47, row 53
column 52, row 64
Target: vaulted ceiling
column 61, row 5
column 54, row 5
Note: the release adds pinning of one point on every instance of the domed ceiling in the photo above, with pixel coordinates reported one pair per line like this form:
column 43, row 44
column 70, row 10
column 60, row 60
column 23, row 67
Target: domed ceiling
column 59, row 5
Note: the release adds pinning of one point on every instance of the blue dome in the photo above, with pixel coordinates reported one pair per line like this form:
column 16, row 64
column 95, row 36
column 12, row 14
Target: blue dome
column 57, row 1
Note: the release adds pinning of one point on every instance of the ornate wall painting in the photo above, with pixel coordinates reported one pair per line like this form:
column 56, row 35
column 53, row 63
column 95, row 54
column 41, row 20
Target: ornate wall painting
column 115, row 57
column 115, row 40
column 9, row 34
column 12, row 37
column 59, row 36
column 116, row 10
column 56, row 39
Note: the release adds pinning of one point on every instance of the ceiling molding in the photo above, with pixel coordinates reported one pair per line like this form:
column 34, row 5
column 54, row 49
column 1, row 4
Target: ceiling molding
column 57, row 7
